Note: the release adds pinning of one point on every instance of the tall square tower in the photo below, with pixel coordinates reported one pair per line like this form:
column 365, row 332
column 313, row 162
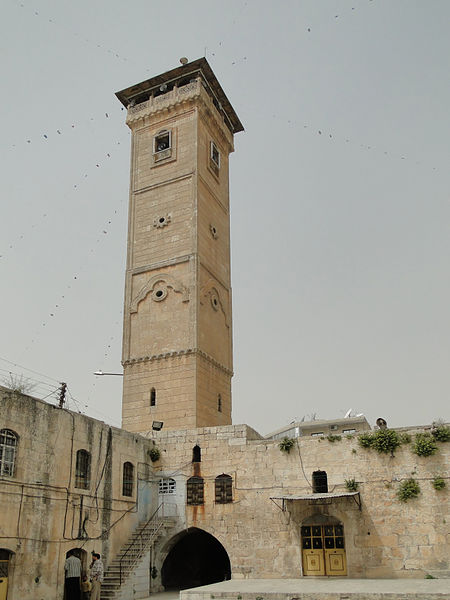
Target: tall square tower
column 177, row 336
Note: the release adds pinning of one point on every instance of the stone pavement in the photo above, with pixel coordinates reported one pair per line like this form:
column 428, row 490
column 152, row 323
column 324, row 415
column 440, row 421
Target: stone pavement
column 334, row 588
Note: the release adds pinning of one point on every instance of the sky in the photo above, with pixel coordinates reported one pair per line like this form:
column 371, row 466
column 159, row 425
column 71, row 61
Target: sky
column 340, row 198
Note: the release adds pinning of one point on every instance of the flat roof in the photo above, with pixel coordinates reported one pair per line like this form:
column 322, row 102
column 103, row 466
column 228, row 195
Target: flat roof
column 199, row 66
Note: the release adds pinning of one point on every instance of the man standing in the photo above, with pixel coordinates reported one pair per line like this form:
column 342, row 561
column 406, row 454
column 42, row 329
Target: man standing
column 72, row 572
column 96, row 575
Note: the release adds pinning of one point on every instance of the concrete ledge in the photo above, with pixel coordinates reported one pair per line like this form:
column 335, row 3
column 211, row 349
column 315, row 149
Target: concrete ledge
column 333, row 588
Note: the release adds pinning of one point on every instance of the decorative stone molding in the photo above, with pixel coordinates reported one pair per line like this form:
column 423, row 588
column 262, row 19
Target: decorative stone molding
column 178, row 353
column 157, row 287
column 209, row 290
column 162, row 221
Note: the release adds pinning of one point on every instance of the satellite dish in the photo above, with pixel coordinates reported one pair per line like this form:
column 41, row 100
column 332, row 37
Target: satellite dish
column 348, row 413
column 381, row 423
column 184, row 60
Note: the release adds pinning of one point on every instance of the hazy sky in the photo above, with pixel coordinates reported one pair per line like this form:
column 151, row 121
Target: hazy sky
column 340, row 197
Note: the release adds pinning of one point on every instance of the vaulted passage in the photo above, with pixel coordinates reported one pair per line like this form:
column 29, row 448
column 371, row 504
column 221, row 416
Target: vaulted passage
column 196, row 559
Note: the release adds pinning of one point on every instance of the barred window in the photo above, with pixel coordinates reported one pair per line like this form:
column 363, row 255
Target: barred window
column 224, row 489
column 219, row 402
column 128, row 479
column 8, row 447
column 195, row 491
column 153, row 397
column 83, row 470
column 320, row 482
column 167, row 485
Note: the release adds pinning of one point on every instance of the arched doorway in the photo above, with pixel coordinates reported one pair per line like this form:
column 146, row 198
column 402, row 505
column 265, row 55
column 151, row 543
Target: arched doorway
column 323, row 546
column 5, row 571
column 197, row 558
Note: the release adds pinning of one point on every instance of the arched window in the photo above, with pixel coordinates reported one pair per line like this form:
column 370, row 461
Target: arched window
column 153, row 397
column 167, row 485
column 196, row 454
column 194, row 491
column 320, row 482
column 8, row 447
column 219, row 402
column 128, row 479
column 224, row 489
column 83, row 470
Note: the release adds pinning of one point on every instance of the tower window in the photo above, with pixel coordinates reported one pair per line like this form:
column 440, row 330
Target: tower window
column 8, row 446
column 214, row 156
column 196, row 454
column 162, row 142
column 128, row 479
column 153, row 397
column 195, row 491
column 83, row 470
column 219, row 402
column 320, row 482
column 224, row 489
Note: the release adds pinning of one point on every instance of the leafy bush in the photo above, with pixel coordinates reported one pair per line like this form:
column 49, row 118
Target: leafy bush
column 408, row 489
column 334, row 438
column 365, row 440
column 286, row 444
column 424, row 445
column 438, row 483
column 352, row 485
column 441, row 433
column 405, row 438
column 154, row 454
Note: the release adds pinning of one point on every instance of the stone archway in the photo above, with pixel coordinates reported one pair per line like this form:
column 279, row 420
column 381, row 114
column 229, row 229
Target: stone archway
column 196, row 558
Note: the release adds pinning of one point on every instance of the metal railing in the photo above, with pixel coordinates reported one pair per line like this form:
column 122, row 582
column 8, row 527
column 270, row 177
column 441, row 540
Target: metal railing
column 144, row 539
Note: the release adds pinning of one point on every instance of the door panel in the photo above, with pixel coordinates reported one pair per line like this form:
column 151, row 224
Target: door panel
column 335, row 562
column 313, row 563
column 3, row 587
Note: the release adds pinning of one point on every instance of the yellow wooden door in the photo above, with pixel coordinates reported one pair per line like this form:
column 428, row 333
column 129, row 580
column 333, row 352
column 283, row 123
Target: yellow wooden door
column 3, row 579
column 312, row 550
column 323, row 550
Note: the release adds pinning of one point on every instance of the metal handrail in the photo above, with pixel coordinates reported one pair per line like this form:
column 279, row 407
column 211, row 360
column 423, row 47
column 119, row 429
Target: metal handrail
column 155, row 520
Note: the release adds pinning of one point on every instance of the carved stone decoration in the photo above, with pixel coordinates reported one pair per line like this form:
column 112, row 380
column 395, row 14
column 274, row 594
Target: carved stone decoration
column 210, row 291
column 158, row 286
column 213, row 230
column 162, row 221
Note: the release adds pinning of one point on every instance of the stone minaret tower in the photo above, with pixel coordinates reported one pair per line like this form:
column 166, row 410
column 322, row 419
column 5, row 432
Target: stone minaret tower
column 177, row 338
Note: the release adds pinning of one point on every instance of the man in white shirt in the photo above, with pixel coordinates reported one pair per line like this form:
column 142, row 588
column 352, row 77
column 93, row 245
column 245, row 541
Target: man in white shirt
column 72, row 572
column 96, row 576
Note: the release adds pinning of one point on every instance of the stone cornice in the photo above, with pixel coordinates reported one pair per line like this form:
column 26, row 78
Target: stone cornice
column 178, row 353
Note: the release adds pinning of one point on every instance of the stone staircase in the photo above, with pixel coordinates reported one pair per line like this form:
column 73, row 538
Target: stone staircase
column 128, row 557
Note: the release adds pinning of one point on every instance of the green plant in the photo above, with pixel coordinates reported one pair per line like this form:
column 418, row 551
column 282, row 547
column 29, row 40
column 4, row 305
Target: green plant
column 154, row 454
column 428, row 576
column 365, row 440
column 286, row 444
column 385, row 441
column 408, row 489
column 349, row 436
column 438, row 483
column 334, row 438
column 352, row 485
column 441, row 433
column 424, row 445
column 353, row 450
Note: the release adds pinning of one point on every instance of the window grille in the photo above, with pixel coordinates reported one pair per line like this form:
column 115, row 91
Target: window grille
column 83, row 470
column 8, row 447
column 162, row 142
column 128, row 479
column 224, row 489
column 320, row 482
column 195, row 491
column 167, row 485
column 215, row 155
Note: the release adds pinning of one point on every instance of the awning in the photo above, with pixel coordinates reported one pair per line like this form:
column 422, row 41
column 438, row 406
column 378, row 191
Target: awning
column 324, row 498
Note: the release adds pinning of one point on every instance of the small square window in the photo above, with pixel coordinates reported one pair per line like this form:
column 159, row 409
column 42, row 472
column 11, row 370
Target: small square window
column 161, row 142
column 215, row 156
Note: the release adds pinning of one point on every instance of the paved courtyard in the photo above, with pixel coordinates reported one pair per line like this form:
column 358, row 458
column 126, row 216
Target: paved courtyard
column 317, row 589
